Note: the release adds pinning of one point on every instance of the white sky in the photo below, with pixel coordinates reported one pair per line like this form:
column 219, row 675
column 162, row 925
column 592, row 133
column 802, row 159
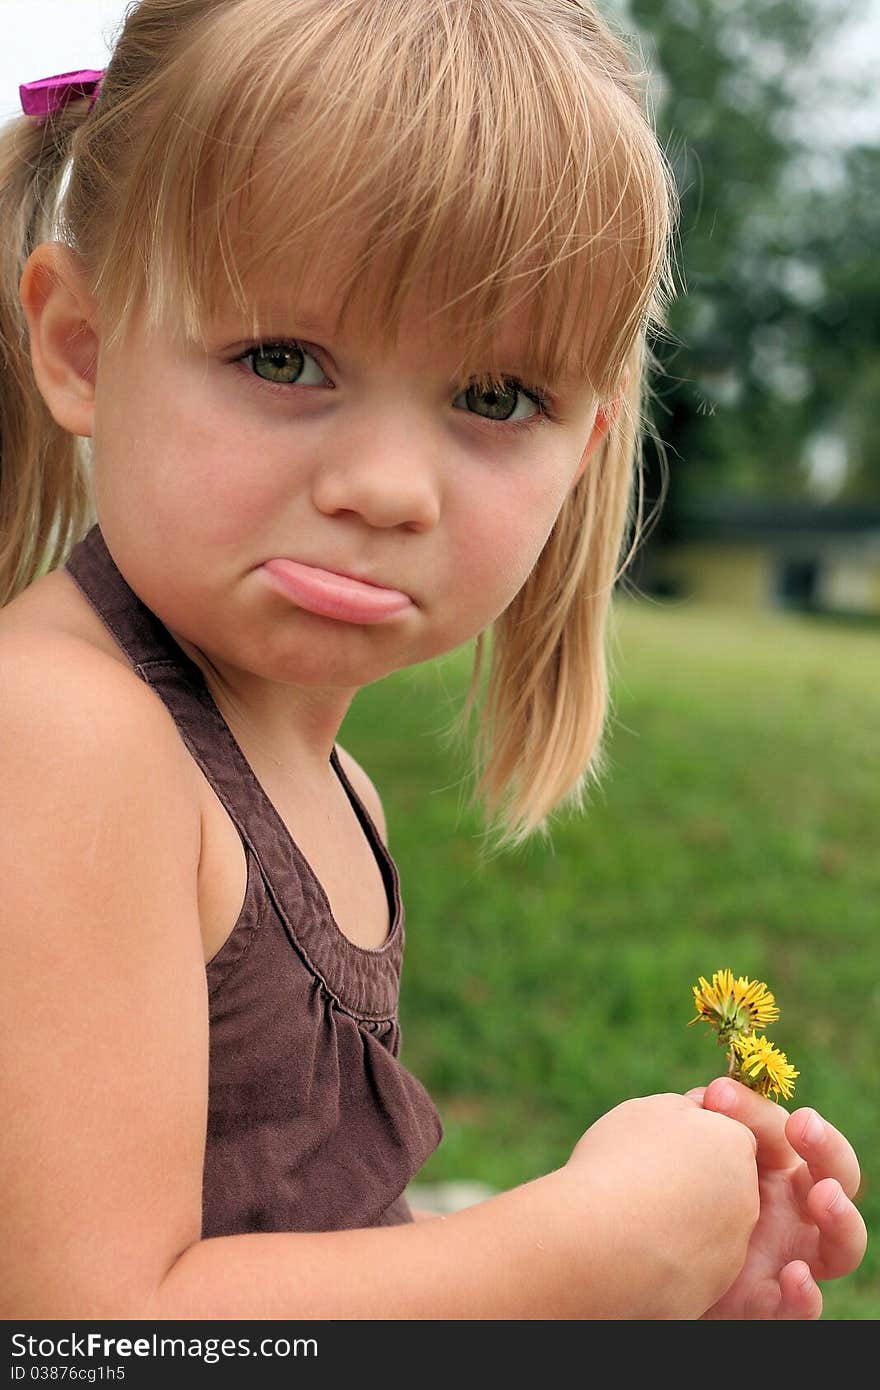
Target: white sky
column 42, row 37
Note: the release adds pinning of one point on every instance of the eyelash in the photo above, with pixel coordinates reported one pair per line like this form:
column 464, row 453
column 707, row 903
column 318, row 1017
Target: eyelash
column 545, row 412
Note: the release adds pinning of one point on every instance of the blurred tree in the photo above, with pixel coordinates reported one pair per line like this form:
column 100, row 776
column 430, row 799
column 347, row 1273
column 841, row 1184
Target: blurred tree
column 841, row 234
column 773, row 368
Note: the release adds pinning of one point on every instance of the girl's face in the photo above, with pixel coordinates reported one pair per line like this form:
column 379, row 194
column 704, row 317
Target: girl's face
column 329, row 453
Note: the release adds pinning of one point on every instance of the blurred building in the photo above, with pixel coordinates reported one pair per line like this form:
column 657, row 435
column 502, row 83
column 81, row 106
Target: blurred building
column 764, row 554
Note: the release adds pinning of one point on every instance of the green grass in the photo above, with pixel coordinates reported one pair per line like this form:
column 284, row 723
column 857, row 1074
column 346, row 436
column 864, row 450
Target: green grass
column 737, row 827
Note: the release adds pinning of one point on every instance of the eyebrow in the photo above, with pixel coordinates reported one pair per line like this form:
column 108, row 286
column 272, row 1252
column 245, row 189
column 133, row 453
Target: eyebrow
column 309, row 321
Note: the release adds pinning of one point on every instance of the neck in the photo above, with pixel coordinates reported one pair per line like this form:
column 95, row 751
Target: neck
column 293, row 726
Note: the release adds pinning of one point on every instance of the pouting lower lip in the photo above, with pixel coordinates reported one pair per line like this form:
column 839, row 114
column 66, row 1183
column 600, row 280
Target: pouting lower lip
column 334, row 595
column 339, row 574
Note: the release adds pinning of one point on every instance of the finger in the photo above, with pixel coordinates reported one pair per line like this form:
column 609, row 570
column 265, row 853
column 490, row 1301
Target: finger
column 696, row 1094
column 843, row 1237
column 801, row 1297
column 827, row 1152
column 763, row 1117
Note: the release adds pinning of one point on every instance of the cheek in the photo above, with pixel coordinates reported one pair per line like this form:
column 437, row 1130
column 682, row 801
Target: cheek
column 182, row 457
column 509, row 532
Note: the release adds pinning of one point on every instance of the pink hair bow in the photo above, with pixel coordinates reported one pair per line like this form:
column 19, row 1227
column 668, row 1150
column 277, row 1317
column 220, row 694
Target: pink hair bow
column 48, row 94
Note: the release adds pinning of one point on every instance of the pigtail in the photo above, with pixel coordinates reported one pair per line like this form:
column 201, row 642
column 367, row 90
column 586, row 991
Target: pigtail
column 538, row 742
column 45, row 490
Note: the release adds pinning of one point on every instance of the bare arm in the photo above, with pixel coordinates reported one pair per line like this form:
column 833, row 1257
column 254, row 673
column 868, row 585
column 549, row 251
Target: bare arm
column 103, row 1019
column 508, row 1258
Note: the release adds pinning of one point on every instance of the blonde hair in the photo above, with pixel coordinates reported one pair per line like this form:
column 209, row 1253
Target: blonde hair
column 501, row 148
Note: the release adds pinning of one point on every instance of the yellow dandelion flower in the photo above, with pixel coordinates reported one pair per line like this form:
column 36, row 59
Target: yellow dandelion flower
column 734, row 1005
column 762, row 1066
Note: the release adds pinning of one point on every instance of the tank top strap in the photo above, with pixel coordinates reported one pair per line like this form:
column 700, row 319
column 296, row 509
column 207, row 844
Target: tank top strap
column 365, row 981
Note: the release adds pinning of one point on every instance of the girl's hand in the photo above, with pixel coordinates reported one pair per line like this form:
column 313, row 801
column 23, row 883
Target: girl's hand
column 808, row 1228
column 661, row 1198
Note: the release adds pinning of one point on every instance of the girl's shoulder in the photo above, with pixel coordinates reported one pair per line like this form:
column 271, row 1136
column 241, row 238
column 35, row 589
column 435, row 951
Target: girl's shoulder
column 56, row 648
column 52, row 609
column 61, row 669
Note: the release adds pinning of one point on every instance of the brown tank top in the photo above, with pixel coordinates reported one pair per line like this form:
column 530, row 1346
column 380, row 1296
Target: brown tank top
column 313, row 1123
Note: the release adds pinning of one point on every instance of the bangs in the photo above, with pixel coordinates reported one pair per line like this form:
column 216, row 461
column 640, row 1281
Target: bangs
column 466, row 149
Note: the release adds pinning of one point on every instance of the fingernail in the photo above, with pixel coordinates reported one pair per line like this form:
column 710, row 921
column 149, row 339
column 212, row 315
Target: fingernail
column 836, row 1201
column 724, row 1097
column 814, row 1129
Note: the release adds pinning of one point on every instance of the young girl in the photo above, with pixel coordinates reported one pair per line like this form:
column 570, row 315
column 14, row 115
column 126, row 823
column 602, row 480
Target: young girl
column 351, row 298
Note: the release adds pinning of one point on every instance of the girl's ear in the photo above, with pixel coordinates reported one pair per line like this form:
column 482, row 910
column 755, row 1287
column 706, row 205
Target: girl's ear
column 605, row 416
column 62, row 316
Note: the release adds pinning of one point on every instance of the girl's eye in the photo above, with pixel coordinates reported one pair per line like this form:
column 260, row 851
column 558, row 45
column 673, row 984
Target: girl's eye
column 282, row 363
column 501, row 404
column 507, row 402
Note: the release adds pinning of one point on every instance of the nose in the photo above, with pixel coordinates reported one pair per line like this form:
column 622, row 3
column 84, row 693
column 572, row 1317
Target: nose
column 388, row 477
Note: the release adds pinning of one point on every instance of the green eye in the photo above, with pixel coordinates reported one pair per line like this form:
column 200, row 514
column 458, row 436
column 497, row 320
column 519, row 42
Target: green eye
column 501, row 403
column 504, row 401
column 276, row 362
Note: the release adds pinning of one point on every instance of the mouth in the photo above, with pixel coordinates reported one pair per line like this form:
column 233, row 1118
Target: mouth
column 330, row 594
